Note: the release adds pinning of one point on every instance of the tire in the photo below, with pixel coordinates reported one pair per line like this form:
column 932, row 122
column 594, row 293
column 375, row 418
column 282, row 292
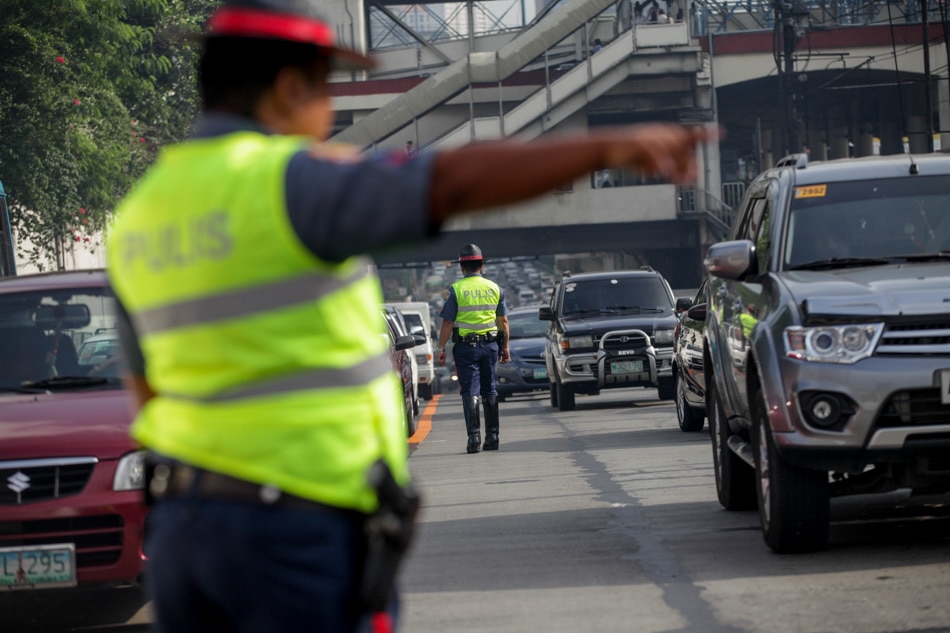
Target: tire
column 666, row 389
column 794, row 502
column 425, row 391
column 411, row 423
column 735, row 481
column 565, row 397
column 691, row 419
column 553, row 389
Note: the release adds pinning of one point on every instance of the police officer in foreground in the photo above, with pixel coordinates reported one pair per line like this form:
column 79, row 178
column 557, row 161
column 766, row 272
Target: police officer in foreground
column 474, row 317
column 257, row 363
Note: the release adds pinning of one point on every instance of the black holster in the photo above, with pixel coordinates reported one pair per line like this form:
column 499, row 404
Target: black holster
column 388, row 533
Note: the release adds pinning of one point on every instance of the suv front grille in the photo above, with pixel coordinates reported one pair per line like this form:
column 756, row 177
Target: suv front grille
column 916, row 407
column 43, row 479
column 98, row 539
column 918, row 339
column 624, row 341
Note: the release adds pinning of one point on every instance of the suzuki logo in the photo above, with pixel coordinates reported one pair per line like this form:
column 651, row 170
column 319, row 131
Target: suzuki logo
column 18, row 482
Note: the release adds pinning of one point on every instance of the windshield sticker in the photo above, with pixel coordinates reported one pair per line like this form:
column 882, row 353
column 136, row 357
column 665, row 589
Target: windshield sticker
column 812, row 191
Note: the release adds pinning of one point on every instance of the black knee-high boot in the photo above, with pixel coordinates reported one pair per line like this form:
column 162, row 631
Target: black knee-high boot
column 473, row 423
column 491, row 423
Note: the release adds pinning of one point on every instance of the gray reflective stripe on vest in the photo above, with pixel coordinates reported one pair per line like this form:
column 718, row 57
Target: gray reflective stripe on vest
column 490, row 325
column 241, row 303
column 478, row 308
column 329, row 378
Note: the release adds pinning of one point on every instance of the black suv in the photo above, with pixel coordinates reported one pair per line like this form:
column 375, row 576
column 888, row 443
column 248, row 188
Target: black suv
column 827, row 340
column 609, row 330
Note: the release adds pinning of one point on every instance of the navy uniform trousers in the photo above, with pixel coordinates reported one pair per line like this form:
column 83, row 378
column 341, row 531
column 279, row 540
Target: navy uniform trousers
column 475, row 365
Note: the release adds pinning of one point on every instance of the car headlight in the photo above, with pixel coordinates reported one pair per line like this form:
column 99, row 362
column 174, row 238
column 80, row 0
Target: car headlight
column 663, row 336
column 844, row 344
column 130, row 473
column 577, row 342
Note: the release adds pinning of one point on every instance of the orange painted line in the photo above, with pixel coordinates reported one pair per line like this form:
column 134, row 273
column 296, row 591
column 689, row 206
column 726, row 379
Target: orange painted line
column 425, row 421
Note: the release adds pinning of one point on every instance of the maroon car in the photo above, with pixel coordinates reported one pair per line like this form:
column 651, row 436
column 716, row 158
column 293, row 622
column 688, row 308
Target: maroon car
column 71, row 508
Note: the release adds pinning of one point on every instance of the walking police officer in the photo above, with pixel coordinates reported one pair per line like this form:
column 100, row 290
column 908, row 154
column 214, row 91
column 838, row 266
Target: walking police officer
column 474, row 315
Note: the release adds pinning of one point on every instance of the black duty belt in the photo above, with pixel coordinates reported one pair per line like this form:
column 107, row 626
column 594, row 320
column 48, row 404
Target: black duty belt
column 169, row 479
column 475, row 338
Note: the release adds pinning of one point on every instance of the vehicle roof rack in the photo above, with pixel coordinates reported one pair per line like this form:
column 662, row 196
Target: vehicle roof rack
column 798, row 161
column 649, row 269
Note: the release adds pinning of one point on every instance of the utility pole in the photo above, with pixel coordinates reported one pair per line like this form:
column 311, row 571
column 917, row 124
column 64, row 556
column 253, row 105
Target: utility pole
column 786, row 18
column 928, row 98
column 7, row 258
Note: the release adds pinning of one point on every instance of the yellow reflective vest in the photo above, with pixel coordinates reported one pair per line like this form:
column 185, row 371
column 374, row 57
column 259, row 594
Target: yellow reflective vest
column 477, row 300
column 269, row 364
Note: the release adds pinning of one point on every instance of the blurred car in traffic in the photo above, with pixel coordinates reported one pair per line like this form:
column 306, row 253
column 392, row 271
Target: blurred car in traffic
column 527, row 370
column 688, row 379
column 400, row 355
column 398, row 321
column 71, row 506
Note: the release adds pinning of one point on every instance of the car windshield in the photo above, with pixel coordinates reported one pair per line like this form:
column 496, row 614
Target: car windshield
column 866, row 223
column 615, row 296
column 42, row 336
column 526, row 325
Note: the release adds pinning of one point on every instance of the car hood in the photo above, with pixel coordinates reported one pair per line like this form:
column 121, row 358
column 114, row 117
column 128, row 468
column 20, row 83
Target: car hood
column 527, row 347
column 606, row 323
column 65, row 424
column 872, row 291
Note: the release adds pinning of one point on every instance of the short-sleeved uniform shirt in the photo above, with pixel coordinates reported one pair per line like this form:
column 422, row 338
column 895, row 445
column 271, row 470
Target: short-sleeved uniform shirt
column 339, row 204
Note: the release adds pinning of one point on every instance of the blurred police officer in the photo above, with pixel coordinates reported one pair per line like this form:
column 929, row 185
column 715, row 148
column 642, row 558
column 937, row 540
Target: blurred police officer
column 257, row 364
column 474, row 317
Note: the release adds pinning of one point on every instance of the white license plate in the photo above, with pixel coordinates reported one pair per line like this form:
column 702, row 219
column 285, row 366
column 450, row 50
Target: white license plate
column 626, row 367
column 38, row 567
column 540, row 374
column 945, row 386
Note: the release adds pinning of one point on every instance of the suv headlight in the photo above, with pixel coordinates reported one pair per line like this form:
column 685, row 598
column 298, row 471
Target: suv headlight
column 844, row 344
column 661, row 337
column 130, row 473
column 576, row 342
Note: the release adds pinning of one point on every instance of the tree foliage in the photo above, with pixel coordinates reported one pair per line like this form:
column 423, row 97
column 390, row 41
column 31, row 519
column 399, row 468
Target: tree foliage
column 89, row 90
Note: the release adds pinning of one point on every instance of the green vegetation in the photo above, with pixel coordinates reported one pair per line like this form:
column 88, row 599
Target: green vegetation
column 89, row 90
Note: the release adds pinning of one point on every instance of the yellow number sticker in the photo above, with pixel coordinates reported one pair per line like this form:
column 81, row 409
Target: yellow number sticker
column 812, row 191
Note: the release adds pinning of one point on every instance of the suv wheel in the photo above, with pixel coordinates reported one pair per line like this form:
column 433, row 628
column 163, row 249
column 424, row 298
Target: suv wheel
column 690, row 418
column 794, row 504
column 553, row 388
column 565, row 397
column 666, row 389
column 735, row 482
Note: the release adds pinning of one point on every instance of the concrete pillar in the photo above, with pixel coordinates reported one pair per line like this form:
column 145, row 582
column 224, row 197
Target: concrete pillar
column 917, row 132
column 891, row 138
column 817, row 148
column 864, row 145
column 767, row 159
column 839, row 143
column 943, row 113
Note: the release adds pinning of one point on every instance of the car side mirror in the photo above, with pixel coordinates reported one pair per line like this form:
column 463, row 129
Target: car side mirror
column 683, row 304
column 697, row 312
column 420, row 339
column 405, row 341
column 545, row 313
column 731, row 260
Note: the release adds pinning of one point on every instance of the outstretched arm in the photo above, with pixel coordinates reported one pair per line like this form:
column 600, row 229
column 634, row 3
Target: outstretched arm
column 492, row 173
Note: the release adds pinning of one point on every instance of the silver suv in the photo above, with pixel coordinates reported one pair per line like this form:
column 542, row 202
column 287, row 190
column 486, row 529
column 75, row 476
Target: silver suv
column 827, row 335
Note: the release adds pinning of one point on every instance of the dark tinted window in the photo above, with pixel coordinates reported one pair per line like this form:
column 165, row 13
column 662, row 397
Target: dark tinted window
column 873, row 218
column 633, row 294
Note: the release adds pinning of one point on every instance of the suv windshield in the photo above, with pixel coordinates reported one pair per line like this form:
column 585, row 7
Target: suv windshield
column 616, row 295
column 868, row 222
column 526, row 325
column 41, row 331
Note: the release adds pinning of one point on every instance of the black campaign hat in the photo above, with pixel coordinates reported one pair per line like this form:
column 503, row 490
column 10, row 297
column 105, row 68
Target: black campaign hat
column 290, row 20
column 469, row 253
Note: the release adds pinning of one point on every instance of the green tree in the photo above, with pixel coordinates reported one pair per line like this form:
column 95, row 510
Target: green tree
column 89, row 89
